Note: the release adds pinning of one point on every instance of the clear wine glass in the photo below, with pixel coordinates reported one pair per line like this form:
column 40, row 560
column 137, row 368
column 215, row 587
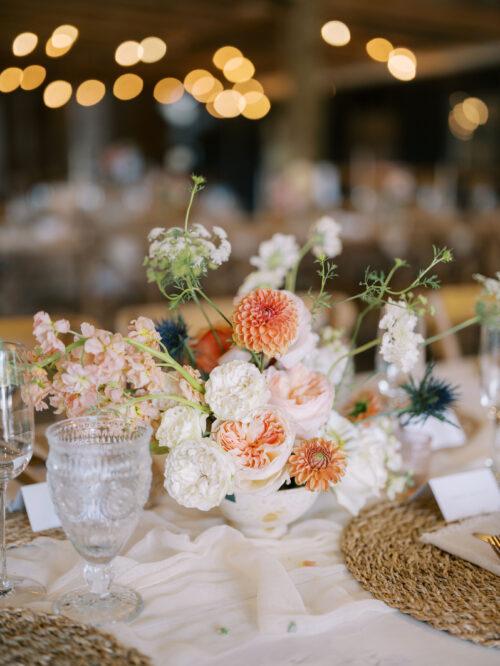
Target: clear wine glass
column 99, row 475
column 489, row 361
column 16, row 448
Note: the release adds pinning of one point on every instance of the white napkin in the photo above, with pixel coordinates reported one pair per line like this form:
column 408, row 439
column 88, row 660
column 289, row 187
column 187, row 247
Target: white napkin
column 444, row 434
column 457, row 539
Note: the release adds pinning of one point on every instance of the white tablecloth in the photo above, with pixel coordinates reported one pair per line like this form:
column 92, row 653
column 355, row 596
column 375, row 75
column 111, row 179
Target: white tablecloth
column 213, row 596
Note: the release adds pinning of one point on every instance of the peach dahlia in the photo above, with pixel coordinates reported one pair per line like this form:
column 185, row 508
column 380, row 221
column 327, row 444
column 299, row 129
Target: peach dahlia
column 266, row 320
column 316, row 463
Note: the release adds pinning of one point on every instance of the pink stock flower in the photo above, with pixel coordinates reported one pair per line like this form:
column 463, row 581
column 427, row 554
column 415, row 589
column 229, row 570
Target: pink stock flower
column 143, row 330
column 46, row 332
column 304, row 396
column 37, row 388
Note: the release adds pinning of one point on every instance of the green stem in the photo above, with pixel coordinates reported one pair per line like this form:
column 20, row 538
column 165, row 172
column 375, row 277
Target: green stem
column 454, row 329
column 194, row 191
column 207, row 319
column 166, row 358
column 168, row 396
column 291, row 278
column 214, row 306
column 55, row 357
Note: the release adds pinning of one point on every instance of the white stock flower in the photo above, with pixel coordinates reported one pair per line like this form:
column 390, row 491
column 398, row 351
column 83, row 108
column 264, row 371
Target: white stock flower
column 180, row 423
column 198, row 474
column 262, row 280
column 491, row 285
column 400, row 343
column 280, row 252
column 369, row 454
column 326, row 237
column 234, row 389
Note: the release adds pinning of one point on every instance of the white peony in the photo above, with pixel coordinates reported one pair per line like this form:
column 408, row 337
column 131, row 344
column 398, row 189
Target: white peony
column 234, row 389
column 401, row 345
column 198, row 474
column 280, row 252
column 326, row 238
column 180, row 423
column 369, row 455
column 262, row 280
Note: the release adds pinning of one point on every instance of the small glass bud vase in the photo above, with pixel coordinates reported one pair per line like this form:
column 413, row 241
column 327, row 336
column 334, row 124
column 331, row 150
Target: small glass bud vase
column 415, row 454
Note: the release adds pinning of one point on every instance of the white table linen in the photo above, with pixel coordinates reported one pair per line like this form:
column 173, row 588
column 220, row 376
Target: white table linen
column 213, row 596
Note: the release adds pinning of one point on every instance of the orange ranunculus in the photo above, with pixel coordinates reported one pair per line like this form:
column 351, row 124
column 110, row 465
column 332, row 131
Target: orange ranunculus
column 266, row 320
column 316, row 463
column 363, row 405
column 209, row 346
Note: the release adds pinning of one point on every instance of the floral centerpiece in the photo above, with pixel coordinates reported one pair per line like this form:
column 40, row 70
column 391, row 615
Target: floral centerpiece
column 247, row 408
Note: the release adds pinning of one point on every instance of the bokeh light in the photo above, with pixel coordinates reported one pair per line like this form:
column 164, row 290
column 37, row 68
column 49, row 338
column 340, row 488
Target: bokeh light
column 258, row 109
column 64, row 36
column 476, row 107
column 379, row 49
column 457, row 130
column 33, row 76
column 194, row 76
column 402, row 64
column 225, row 53
column 238, row 70
column 10, row 79
column 129, row 53
column 168, row 91
column 462, row 120
column 90, row 92
column 206, row 90
column 54, row 52
column 153, row 49
column 336, row 33
column 229, row 103
column 251, row 90
column 128, row 86
column 57, row 94
column 24, row 44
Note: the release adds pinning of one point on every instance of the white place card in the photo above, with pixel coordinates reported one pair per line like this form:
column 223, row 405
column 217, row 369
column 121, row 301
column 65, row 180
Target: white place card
column 39, row 507
column 466, row 494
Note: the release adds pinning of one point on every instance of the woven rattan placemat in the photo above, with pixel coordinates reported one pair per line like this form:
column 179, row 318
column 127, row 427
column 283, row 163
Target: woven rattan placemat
column 39, row 639
column 18, row 530
column 383, row 552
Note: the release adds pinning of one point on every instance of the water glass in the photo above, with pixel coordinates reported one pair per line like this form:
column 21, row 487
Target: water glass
column 16, row 448
column 489, row 361
column 416, row 448
column 99, row 475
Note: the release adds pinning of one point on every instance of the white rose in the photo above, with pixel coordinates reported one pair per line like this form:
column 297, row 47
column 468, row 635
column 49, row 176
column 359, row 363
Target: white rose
column 234, row 389
column 340, row 430
column 198, row 474
column 180, row 423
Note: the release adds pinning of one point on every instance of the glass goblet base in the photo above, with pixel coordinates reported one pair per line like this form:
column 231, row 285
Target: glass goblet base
column 20, row 591
column 120, row 604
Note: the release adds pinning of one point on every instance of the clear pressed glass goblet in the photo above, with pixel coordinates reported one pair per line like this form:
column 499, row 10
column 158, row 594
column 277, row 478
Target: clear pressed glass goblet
column 99, row 474
column 489, row 360
column 16, row 448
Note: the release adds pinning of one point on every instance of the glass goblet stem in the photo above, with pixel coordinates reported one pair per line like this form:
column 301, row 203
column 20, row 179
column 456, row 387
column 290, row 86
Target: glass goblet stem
column 98, row 577
column 4, row 583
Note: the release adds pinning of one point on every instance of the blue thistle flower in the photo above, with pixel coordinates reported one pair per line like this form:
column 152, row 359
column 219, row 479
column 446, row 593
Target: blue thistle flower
column 431, row 397
column 174, row 336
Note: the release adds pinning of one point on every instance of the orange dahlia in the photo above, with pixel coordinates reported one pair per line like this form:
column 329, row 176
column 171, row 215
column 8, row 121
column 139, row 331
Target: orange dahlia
column 255, row 441
column 266, row 320
column 316, row 463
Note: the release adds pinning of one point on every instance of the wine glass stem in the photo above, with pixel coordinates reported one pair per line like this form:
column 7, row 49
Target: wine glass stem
column 98, row 577
column 4, row 584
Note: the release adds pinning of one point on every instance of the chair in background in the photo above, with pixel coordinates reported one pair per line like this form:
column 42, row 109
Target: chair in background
column 453, row 304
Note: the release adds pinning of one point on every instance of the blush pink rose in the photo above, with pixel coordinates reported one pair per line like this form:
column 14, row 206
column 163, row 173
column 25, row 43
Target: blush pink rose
column 305, row 397
column 305, row 340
